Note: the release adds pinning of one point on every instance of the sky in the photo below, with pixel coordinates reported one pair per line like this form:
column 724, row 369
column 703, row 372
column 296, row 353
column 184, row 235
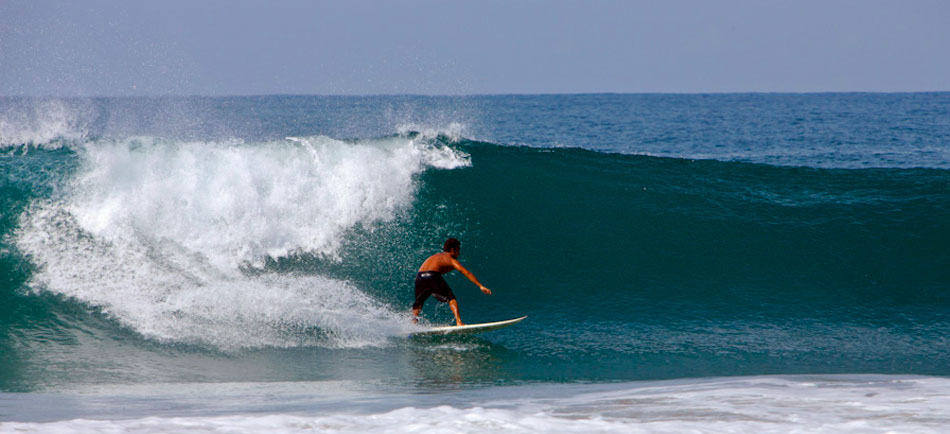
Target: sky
column 363, row 47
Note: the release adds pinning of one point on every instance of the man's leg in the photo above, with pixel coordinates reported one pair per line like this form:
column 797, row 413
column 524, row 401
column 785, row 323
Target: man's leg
column 421, row 296
column 454, row 305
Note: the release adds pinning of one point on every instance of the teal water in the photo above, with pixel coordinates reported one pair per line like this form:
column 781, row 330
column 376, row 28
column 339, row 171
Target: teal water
column 647, row 237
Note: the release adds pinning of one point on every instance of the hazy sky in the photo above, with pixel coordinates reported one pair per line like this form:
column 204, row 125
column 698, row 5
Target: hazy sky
column 196, row 47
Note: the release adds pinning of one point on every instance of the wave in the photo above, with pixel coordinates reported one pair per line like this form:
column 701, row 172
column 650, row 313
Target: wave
column 310, row 241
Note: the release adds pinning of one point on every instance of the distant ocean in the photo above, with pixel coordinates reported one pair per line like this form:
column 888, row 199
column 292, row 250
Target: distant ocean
column 714, row 263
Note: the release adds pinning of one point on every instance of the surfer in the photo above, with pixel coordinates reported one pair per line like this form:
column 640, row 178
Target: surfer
column 429, row 279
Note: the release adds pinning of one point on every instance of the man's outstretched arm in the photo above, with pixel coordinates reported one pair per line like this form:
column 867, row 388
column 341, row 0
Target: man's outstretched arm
column 458, row 266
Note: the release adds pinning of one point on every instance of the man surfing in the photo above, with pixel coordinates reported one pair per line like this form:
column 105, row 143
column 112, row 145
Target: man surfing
column 429, row 279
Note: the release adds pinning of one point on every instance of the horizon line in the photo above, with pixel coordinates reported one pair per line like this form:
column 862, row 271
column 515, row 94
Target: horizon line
column 447, row 95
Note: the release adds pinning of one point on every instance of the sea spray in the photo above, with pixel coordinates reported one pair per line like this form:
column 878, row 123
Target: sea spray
column 49, row 123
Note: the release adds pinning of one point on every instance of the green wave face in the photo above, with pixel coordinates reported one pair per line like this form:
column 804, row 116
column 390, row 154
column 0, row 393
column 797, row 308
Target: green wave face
column 591, row 235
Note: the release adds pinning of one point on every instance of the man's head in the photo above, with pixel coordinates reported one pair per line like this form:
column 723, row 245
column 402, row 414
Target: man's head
column 452, row 246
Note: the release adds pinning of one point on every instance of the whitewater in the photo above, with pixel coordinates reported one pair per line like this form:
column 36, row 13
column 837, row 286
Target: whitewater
column 157, row 234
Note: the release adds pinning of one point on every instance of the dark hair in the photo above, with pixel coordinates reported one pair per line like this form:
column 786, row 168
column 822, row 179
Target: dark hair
column 450, row 244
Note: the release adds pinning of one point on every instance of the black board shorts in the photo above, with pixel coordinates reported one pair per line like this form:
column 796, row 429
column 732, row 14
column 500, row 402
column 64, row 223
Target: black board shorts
column 431, row 283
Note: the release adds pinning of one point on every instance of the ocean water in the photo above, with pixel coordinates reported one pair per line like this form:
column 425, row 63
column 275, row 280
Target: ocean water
column 705, row 263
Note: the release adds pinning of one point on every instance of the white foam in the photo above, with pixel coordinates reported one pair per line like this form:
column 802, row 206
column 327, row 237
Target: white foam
column 156, row 234
column 820, row 404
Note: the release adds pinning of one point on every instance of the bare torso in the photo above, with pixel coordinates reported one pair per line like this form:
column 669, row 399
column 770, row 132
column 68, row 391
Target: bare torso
column 442, row 263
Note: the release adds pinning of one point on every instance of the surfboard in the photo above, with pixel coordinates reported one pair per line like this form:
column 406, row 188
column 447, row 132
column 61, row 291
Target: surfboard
column 467, row 329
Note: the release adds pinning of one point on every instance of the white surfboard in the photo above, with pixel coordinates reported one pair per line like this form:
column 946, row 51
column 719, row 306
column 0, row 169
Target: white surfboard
column 468, row 328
